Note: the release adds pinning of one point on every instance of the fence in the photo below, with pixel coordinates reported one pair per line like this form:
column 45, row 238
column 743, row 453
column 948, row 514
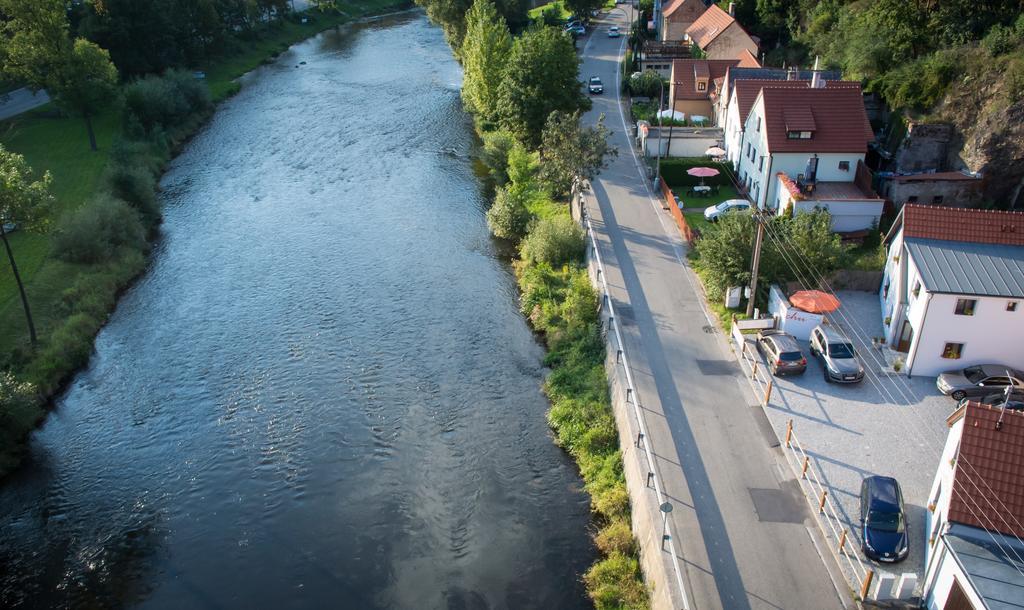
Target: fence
column 633, row 398
column 859, row 576
column 676, row 211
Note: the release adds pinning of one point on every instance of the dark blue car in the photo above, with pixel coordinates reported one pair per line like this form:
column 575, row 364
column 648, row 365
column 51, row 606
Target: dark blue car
column 883, row 521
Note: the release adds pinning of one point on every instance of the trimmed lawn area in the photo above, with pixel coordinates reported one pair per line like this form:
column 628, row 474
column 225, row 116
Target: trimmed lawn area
column 693, row 202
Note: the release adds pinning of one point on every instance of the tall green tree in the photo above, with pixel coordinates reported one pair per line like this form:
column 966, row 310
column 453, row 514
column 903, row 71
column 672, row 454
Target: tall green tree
column 23, row 203
column 569, row 150
column 485, row 51
column 77, row 74
column 542, row 76
column 85, row 84
column 451, row 16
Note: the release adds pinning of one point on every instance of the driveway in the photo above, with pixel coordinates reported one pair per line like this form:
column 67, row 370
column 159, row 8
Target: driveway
column 886, row 425
column 19, row 101
column 746, row 537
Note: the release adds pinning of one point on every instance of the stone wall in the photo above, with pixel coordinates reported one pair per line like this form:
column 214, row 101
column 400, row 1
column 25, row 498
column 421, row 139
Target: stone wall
column 924, row 147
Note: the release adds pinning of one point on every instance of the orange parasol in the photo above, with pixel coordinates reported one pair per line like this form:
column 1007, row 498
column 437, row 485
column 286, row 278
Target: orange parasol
column 814, row 301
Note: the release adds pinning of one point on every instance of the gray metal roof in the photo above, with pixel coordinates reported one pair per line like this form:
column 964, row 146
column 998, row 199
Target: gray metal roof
column 994, row 569
column 955, row 267
column 780, row 74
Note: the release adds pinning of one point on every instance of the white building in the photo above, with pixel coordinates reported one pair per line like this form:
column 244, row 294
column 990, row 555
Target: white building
column 974, row 557
column 854, row 207
column 786, row 127
column 953, row 290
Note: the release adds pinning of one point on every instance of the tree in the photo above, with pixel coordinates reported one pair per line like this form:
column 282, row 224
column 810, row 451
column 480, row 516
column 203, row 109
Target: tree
column 23, row 203
column 647, row 84
column 542, row 76
column 582, row 8
column 508, row 216
column 86, row 83
column 569, row 150
column 451, row 16
column 485, row 51
column 78, row 75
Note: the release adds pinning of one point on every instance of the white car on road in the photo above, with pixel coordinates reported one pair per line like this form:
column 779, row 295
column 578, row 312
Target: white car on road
column 613, row 32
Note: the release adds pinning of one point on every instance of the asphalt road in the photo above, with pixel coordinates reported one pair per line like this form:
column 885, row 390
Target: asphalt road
column 20, row 100
column 745, row 533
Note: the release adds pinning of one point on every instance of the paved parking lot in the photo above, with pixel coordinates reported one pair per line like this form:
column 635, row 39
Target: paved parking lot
column 886, row 425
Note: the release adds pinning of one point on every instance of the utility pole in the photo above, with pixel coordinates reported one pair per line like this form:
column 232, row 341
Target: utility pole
column 756, row 263
column 661, row 96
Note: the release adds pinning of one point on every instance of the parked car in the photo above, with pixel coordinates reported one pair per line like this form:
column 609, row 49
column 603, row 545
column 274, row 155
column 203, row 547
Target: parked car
column 713, row 213
column 576, row 28
column 10, row 227
column 883, row 521
column 979, row 380
column 595, row 86
column 782, row 352
column 613, row 32
column 837, row 356
column 1012, row 400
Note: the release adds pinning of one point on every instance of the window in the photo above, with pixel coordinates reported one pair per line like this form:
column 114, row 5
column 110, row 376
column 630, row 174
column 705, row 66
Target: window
column 937, row 199
column 917, row 288
column 885, row 291
column 965, row 307
column 844, row 166
column 1011, row 306
column 758, row 124
column 702, row 86
column 760, row 164
column 748, row 149
column 952, row 351
column 798, row 135
column 912, row 199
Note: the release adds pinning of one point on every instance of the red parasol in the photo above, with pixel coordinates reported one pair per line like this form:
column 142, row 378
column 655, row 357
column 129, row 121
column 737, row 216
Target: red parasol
column 814, row 301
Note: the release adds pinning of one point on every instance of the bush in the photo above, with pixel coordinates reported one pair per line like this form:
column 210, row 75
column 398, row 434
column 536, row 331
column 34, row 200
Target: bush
column 647, row 84
column 494, row 156
column 616, row 537
column 614, row 583
column 136, row 186
column 67, row 349
column 164, row 101
column 556, row 241
column 508, row 216
column 98, row 230
column 1000, row 39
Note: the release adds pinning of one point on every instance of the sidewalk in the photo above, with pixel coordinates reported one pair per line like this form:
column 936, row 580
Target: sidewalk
column 741, row 523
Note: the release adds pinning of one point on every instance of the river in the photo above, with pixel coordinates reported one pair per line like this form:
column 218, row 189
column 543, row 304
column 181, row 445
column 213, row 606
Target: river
column 321, row 394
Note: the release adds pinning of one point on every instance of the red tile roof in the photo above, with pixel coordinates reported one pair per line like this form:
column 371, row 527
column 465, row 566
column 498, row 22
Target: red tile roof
column 712, row 23
column 988, row 484
column 695, row 9
column 936, row 177
column 686, row 71
column 962, row 224
column 748, row 89
column 840, row 121
column 748, row 60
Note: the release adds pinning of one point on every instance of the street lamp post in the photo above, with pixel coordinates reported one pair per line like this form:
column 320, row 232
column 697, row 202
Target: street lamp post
column 661, row 97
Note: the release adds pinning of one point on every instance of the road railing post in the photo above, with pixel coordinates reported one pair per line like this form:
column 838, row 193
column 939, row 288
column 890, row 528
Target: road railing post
column 789, row 434
column 768, row 391
column 865, row 585
column 803, row 471
column 824, row 498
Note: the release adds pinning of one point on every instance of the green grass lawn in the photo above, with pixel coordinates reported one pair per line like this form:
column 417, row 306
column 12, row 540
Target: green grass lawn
column 563, row 13
column 692, row 202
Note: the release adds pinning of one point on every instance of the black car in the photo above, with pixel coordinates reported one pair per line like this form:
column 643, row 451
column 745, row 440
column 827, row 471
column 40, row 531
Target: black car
column 782, row 352
column 1014, row 401
column 882, row 519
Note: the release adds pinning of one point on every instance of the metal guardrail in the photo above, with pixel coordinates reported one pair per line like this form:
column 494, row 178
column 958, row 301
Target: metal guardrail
column 859, row 576
column 633, row 397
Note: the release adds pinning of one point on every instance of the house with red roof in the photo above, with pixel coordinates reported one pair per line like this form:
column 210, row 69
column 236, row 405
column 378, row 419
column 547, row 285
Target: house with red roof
column 719, row 36
column 974, row 555
column 677, row 17
column 952, row 293
column 696, row 84
column 813, row 135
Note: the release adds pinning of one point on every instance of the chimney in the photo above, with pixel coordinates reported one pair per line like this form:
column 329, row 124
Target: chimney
column 732, row 9
column 816, row 81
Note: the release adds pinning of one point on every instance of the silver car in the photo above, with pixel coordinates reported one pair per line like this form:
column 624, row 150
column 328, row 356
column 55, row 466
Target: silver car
column 837, row 356
column 979, row 380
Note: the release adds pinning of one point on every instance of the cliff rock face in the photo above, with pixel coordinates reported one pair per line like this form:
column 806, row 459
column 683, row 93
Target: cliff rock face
column 989, row 135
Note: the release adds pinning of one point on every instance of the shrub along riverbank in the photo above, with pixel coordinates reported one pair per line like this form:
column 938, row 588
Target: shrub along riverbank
column 534, row 146
column 104, row 213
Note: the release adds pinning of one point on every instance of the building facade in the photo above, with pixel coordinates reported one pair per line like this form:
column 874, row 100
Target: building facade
column 953, row 288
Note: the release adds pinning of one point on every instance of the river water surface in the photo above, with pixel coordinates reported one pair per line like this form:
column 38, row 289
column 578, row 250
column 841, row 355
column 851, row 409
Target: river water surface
column 321, row 394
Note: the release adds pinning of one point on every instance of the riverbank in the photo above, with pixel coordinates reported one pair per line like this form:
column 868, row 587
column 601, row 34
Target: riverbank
column 72, row 300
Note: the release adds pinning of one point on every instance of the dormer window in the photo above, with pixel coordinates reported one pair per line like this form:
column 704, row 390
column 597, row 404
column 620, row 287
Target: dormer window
column 702, row 86
column 799, row 135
